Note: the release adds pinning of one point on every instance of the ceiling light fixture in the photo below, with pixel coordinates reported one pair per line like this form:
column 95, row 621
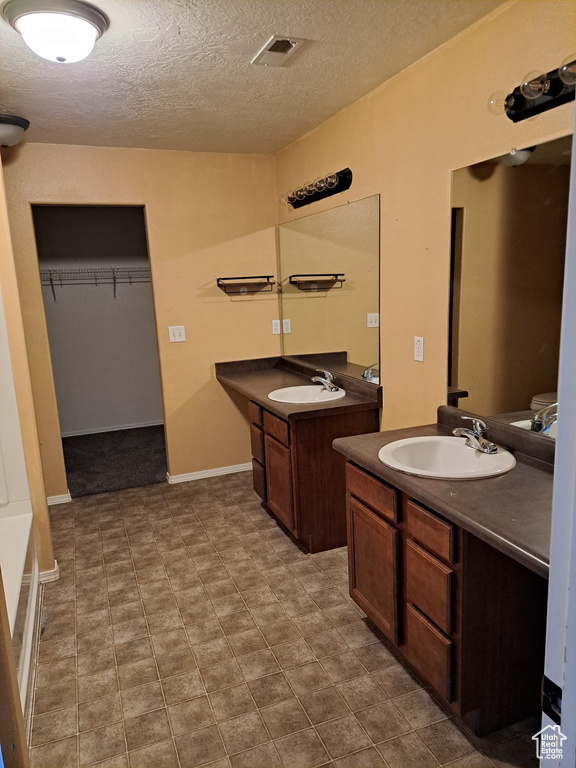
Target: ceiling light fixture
column 64, row 31
column 12, row 129
column 517, row 156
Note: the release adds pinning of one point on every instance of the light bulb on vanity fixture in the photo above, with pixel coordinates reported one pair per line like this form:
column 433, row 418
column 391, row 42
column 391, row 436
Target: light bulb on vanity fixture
column 62, row 31
column 12, row 129
column 567, row 70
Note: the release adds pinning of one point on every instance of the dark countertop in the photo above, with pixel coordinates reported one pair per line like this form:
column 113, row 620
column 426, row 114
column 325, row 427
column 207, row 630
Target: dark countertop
column 511, row 512
column 256, row 378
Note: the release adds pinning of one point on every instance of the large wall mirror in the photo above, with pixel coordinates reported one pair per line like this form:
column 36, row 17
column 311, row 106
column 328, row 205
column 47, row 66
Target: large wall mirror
column 508, row 247
column 333, row 322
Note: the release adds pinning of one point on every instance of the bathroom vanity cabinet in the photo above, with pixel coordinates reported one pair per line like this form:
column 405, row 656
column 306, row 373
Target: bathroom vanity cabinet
column 297, row 473
column 468, row 619
column 299, row 476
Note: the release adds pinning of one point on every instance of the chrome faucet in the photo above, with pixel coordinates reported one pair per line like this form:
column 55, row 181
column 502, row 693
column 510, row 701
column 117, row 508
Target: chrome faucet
column 327, row 381
column 372, row 370
column 544, row 419
column 476, row 437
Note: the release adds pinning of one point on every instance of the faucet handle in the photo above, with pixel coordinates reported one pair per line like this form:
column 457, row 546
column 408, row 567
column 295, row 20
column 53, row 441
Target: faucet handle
column 479, row 426
column 327, row 375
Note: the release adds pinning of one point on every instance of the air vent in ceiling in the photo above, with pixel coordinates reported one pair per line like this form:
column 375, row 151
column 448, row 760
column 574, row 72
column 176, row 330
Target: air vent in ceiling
column 276, row 50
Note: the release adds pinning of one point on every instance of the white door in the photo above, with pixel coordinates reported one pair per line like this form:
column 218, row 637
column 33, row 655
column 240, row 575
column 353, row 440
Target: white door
column 557, row 745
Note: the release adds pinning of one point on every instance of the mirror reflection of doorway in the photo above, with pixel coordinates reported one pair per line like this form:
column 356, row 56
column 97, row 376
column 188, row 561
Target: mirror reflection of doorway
column 508, row 247
column 99, row 310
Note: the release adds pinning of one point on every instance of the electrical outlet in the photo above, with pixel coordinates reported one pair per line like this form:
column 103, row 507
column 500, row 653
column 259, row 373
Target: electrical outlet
column 285, row 326
column 176, row 333
column 373, row 320
column 419, row 349
column 276, row 328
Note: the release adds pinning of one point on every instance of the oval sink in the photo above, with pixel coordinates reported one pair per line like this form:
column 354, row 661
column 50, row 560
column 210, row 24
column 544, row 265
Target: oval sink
column 444, row 458
column 309, row 393
column 526, row 424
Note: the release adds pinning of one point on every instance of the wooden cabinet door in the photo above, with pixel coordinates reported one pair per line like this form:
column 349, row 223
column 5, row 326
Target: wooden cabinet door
column 279, row 482
column 373, row 566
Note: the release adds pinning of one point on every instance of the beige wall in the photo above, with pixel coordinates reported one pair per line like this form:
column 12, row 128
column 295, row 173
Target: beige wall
column 403, row 140
column 207, row 216
column 24, row 397
column 512, row 271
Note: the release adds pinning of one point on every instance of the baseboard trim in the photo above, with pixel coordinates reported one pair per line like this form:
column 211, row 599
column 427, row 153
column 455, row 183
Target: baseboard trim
column 172, row 479
column 98, row 430
column 64, row 498
column 46, row 576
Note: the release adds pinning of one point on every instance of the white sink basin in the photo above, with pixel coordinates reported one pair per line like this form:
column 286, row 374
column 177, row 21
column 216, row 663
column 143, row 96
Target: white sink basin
column 444, row 458
column 309, row 393
column 526, row 424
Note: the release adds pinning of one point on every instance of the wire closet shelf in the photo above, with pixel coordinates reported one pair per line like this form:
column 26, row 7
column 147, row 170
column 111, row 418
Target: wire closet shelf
column 96, row 276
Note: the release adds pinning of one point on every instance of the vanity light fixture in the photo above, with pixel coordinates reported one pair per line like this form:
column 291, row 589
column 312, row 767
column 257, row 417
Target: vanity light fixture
column 12, row 129
column 322, row 187
column 540, row 92
column 63, row 31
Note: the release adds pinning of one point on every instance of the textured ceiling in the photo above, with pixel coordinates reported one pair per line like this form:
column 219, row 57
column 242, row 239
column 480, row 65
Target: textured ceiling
column 176, row 74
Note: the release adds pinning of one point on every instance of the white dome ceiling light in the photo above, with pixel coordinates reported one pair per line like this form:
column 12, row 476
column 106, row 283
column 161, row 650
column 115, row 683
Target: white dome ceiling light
column 12, row 129
column 63, row 31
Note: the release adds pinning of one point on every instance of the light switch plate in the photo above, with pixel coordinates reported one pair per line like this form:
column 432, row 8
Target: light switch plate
column 176, row 333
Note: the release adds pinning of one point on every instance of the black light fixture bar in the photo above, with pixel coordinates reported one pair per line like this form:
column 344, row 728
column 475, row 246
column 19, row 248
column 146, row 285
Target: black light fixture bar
column 344, row 181
column 556, row 92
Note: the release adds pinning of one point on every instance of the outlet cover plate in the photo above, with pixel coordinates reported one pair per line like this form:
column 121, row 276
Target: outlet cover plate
column 176, row 333
column 373, row 320
column 419, row 349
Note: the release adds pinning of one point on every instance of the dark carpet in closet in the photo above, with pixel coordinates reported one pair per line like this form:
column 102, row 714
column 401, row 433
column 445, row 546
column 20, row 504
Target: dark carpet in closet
column 112, row 461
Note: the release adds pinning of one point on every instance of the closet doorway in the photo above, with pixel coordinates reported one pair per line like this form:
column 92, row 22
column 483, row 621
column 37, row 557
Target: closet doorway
column 97, row 293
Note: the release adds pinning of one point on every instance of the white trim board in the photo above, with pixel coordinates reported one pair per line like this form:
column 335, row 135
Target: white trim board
column 172, row 479
column 47, row 576
column 98, row 430
column 64, row 498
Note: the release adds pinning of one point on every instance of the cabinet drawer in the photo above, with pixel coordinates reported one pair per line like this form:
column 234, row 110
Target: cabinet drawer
column 429, row 585
column 429, row 530
column 257, row 443
column 259, row 479
column 374, row 493
column 254, row 413
column 429, row 651
column 277, row 428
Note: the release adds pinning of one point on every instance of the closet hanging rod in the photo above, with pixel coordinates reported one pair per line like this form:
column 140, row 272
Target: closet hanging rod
column 97, row 276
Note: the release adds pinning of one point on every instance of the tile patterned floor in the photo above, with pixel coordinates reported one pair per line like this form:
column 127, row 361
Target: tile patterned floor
column 188, row 630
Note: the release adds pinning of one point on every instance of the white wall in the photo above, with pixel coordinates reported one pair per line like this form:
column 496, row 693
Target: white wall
column 104, row 356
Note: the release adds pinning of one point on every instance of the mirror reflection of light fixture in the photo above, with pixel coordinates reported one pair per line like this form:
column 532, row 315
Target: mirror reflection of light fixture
column 63, row 31
column 12, row 129
column 517, row 156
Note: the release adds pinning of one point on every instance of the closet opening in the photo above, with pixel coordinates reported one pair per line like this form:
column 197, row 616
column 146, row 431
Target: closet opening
column 95, row 276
